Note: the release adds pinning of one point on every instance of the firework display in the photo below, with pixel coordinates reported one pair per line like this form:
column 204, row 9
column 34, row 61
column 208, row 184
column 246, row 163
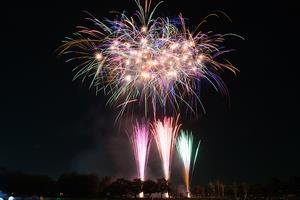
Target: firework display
column 156, row 62
column 188, row 157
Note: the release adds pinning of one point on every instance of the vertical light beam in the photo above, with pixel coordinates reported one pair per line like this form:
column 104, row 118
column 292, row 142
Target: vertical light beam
column 165, row 134
column 140, row 140
column 185, row 149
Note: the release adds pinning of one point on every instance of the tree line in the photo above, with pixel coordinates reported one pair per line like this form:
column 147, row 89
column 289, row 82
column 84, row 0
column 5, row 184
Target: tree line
column 91, row 186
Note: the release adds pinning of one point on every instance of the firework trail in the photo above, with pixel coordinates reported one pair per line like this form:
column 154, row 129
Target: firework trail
column 140, row 140
column 165, row 134
column 185, row 149
column 156, row 62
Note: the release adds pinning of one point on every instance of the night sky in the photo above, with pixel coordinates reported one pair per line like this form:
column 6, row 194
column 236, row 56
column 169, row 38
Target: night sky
column 51, row 125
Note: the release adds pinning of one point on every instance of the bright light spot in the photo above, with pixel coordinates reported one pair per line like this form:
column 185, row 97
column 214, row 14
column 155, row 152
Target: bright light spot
column 98, row 56
column 128, row 78
column 141, row 195
column 144, row 29
column 185, row 46
column 139, row 54
column 200, row 58
column 145, row 75
column 188, row 195
column 192, row 43
column 116, row 42
column 174, row 46
column 127, row 45
column 167, row 194
column 150, row 62
column 172, row 73
column 144, row 41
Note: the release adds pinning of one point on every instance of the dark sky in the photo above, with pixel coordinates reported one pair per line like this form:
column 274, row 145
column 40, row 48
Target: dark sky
column 51, row 125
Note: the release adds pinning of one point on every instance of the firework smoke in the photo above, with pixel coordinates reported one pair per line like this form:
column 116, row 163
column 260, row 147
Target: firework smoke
column 185, row 149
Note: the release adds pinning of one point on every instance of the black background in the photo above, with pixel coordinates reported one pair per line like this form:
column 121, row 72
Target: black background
column 51, row 125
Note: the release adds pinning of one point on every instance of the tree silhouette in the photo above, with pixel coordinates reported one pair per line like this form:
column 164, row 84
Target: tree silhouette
column 119, row 188
column 136, row 186
column 103, row 185
column 212, row 189
column 150, row 187
column 163, row 186
column 76, row 185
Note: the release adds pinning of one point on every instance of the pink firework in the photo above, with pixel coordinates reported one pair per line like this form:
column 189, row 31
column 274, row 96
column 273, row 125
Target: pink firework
column 165, row 133
column 140, row 140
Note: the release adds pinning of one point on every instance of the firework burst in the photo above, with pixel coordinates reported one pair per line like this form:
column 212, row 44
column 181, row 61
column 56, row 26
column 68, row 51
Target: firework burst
column 185, row 149
column 156, row 62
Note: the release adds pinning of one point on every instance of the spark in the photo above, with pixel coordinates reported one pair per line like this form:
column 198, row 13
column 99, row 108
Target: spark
column 98, row 56
column 144, row 29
